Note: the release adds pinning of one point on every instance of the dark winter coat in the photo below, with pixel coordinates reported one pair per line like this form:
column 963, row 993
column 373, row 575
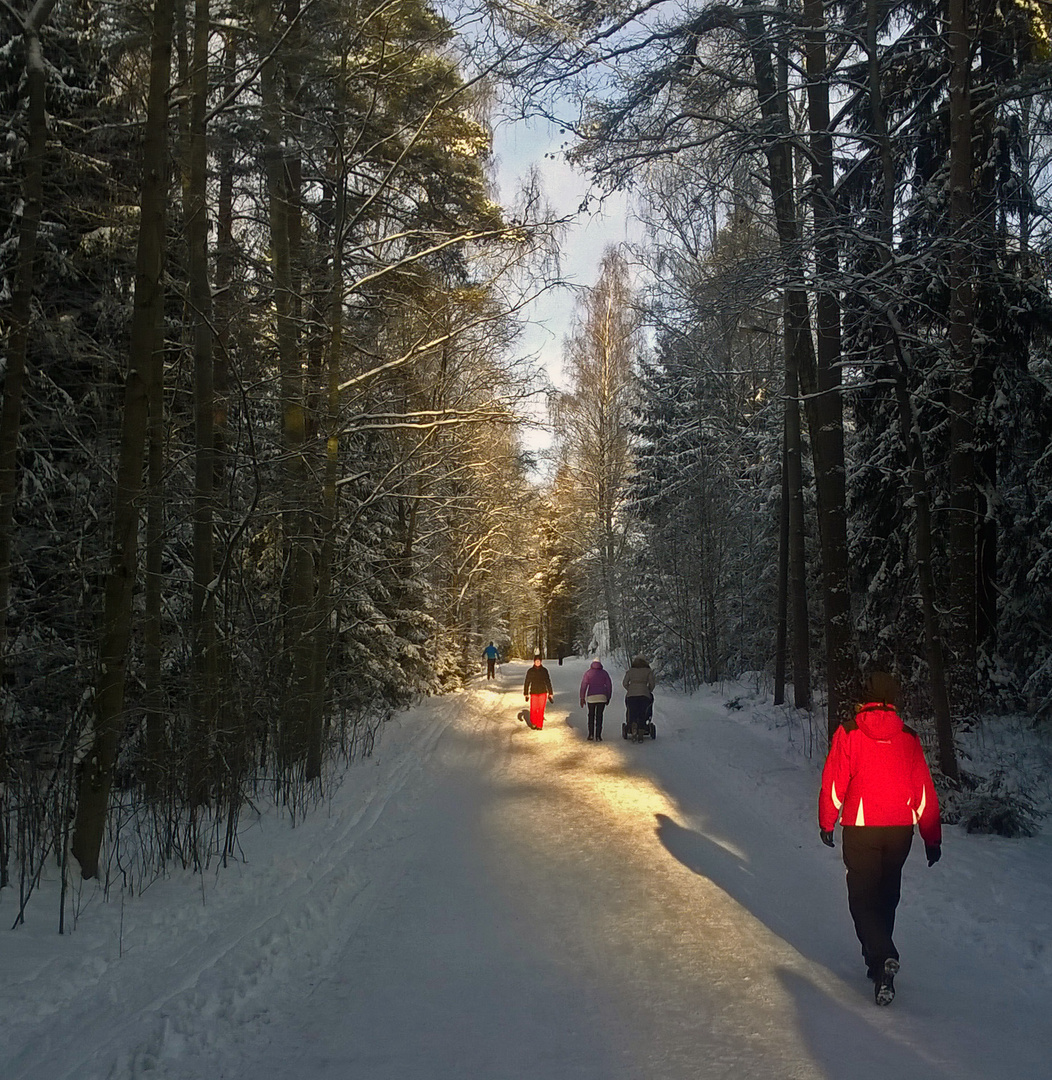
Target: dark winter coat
column 538, row 681
column 639, row 679
column 596, row 683
column 876, row 774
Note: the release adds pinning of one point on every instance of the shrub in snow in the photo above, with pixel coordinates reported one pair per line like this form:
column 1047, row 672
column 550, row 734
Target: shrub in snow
column 985, row 804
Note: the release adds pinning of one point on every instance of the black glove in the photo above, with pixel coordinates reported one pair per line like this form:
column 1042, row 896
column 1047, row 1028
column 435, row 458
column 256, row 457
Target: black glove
column 827, row 837
column 934, row 853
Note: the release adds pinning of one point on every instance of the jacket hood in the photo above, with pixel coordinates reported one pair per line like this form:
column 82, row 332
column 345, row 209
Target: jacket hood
column 596, row 666
column 638, row 661
column 878, row 721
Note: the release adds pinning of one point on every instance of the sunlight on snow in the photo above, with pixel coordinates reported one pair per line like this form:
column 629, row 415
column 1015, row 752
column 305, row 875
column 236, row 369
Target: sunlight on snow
column 598, row 840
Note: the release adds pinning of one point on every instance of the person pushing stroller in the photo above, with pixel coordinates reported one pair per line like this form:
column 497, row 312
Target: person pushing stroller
column 639, row 698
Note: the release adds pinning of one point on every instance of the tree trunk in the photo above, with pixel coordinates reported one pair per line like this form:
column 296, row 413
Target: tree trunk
column 283, row 204
column 224, row 271
column 909, row 425
column 962, row 502
column 153, row 679
column 826, row 420
column 922, row 534
column 781, row 618
column 330, row 491
column 798, row 606
column 822, row 408
column 203, row 606
column 18, row 320
column 97, row 775
column 997, row 70
column 20, row 311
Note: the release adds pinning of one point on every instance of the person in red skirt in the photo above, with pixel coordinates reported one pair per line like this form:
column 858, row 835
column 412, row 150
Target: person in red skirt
column 537, row 689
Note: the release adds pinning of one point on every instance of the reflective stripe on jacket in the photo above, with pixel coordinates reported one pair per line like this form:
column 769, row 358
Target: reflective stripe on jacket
column 876, row 774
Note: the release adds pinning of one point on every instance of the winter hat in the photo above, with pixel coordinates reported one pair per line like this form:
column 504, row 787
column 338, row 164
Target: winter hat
column 882, row 686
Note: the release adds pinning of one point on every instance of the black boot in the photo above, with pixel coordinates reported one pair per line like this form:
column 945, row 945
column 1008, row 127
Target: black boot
column 884, row 984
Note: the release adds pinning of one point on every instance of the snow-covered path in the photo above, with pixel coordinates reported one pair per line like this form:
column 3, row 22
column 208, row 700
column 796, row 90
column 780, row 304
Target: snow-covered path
column 489, row 902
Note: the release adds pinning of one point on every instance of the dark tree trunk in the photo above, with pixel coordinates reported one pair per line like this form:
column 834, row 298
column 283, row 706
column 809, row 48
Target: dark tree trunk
column 18, row 326
column 825, row 417
column 299, row 572
column 203, row 607
column 781, row 618
column 909, row 425
column 962, row 504
column 798, row 606
column 822, row 403
column 97, row 774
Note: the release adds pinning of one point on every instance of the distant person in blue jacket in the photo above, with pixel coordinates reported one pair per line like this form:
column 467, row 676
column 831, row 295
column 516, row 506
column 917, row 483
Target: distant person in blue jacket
column 492, row 655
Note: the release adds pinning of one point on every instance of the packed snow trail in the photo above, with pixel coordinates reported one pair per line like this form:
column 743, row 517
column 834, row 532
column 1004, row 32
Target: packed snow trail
column 541, row 929
column 487, row 902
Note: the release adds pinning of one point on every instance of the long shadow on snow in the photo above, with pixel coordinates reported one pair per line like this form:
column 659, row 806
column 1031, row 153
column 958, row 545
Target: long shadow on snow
column 843, row 1037
column 850, row 1046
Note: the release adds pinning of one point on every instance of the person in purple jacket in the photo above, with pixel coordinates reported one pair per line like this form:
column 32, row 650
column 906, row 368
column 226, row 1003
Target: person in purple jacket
column 596, row 689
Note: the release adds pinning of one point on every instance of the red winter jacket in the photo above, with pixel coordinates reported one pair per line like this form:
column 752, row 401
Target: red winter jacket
column 876, row 775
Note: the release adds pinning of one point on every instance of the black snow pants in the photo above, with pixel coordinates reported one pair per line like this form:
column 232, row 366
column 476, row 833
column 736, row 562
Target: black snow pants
column 874, row 856
column 638, row 708
column 595, row 718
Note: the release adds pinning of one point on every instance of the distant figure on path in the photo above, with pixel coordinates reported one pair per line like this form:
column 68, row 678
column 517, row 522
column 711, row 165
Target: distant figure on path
column 537, row 689
column 639, row 693
column 877, row 782
column 492, row 655
column 596, row 689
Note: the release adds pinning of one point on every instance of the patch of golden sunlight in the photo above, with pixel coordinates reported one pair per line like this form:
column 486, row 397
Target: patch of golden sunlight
column 579, row 831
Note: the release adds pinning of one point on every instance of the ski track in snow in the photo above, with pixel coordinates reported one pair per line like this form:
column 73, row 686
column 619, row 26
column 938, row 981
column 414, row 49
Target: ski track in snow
column 207, row 973
column 483, row 901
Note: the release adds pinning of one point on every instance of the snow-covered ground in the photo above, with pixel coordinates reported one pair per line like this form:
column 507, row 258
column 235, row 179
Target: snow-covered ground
column 484, row 902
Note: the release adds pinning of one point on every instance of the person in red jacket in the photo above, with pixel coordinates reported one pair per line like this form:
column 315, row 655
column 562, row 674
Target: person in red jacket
column 877, row 782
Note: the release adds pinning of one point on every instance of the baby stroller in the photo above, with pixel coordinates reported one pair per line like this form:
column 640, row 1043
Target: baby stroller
column 640, row 726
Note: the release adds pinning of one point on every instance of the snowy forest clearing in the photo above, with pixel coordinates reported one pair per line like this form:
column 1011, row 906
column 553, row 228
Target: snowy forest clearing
column 482, row 900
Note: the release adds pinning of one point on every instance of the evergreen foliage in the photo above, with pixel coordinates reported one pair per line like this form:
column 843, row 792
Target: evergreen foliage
column 891, row 165
column 390, row 283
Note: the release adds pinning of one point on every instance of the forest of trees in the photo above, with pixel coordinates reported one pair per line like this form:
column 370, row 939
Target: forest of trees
column 261, row 472
column 841, row 444
column 262, row 480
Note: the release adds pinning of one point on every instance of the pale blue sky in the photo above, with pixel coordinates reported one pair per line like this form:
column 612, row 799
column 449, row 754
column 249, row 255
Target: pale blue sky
column 518, row 147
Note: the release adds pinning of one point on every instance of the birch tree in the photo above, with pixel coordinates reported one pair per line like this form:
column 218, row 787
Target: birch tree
column 592, row 422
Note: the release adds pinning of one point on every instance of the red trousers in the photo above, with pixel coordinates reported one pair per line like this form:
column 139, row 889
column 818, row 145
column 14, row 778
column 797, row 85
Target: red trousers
column 537, row 703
